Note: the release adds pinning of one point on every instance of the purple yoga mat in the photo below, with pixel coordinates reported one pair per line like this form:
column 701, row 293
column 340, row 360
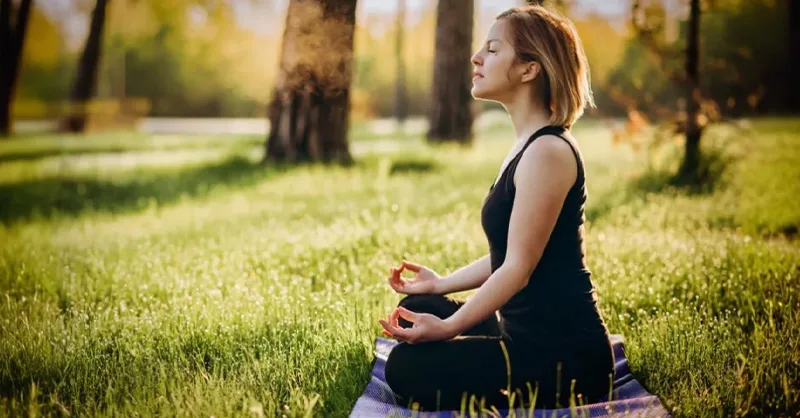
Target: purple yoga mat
column 628, row 397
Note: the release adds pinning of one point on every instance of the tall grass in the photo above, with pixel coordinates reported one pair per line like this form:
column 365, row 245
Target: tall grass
column 221, row 288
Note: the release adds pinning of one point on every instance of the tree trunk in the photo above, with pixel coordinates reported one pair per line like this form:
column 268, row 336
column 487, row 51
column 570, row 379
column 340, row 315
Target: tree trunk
column 450, row 114
column 310, row 107
column 86, row 78
column 401, row 99
column 12, row 39
column 691, row 159
column 793, row 100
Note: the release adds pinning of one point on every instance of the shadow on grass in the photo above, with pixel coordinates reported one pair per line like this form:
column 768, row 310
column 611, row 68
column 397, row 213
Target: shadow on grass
column 47, row 198
column 705, row 181
column 397, row 164
column 36, row 155
column 401, row 166
column 90, row 149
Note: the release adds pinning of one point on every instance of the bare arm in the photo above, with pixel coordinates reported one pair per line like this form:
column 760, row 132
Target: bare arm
column 468, row 277
column 545, row 174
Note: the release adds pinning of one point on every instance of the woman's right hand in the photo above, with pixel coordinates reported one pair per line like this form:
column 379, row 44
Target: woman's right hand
column 424, row 280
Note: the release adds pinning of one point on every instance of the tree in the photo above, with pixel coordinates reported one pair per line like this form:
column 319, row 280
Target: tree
column 86, row 77
column 12, row 37
column 309, row 110
column 691, row 155
column 450, row 114
column 794, row 58
column 649, row 27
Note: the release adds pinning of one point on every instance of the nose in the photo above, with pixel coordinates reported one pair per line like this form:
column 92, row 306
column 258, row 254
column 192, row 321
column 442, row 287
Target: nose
column 476, row 58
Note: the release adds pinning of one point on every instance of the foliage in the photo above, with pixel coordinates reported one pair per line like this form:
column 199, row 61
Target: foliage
column 744, row 54
column 195, row 58
column 198, row 58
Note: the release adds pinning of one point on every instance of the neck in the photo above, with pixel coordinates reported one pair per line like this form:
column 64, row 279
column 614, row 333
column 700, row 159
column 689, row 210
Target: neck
column 527, row 115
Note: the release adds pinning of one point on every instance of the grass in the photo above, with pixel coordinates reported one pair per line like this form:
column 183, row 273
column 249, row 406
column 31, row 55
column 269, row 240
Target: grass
column 213, row 286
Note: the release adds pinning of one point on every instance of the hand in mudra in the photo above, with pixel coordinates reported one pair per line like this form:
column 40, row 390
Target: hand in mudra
column 424, row 280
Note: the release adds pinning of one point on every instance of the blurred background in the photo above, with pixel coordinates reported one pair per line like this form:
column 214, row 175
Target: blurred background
column 158, row 63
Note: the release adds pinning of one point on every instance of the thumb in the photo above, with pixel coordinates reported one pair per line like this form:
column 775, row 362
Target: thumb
column 406, row 314
column 411, row 266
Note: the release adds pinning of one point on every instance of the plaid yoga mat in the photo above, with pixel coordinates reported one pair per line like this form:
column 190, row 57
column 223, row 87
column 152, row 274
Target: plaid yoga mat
column 628, row 398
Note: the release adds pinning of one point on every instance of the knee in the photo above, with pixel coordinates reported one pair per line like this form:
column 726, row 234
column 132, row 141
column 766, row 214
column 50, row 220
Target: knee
column 425, row 303
column 419, row 302
column 399, row 369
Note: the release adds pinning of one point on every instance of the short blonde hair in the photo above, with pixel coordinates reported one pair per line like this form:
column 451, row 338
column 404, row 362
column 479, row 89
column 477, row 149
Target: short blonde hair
column 551, row 40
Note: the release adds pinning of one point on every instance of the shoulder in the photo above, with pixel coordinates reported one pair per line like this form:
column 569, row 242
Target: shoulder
column 550, row 154
column 549, row 147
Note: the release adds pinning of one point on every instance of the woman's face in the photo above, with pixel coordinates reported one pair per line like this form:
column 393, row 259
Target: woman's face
column 494, row 77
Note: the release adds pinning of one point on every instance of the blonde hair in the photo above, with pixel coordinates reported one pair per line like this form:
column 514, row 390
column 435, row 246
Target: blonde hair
column 551, row 40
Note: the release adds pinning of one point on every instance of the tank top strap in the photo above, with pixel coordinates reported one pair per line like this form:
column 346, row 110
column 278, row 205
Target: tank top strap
column 547, row 130
column 558, row 131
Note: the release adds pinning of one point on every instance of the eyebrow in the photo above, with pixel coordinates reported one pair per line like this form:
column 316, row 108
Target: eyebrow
column 493, row 40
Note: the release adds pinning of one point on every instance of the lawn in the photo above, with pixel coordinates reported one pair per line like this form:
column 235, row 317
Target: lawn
column 174, row 275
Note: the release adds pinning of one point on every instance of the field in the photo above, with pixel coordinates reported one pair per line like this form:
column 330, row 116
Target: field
column 174, row 275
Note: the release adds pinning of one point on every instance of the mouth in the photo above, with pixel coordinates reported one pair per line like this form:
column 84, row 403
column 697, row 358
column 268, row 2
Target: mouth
column 476, row 75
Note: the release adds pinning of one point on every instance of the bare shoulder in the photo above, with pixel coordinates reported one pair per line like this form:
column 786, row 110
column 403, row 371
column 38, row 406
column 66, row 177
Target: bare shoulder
column 551, row 154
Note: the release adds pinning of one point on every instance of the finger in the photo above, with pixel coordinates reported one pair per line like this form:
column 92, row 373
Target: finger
column 406, row 314
column 386, row 327
column 390, row 331
column 411, row 266
column 393, row 320
column 395, row 277
column 395, row 281
column 405, row 334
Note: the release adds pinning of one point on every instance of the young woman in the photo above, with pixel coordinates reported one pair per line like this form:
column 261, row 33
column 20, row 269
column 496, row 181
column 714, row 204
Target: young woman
column 536, row 305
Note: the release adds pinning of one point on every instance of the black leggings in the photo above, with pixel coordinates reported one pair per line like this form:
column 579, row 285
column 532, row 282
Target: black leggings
column 437, row 374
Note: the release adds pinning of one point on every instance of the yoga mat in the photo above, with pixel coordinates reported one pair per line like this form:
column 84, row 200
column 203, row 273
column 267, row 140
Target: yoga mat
column 628, row 397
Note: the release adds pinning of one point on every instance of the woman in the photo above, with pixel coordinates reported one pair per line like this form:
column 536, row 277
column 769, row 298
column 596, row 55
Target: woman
column 549, row 328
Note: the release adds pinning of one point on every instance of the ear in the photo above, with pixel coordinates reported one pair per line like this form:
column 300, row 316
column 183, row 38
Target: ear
column 532, row 70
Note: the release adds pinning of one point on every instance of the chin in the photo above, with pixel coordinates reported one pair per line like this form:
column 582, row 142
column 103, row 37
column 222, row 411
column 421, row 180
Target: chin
column 477, row 94
column 480, row 92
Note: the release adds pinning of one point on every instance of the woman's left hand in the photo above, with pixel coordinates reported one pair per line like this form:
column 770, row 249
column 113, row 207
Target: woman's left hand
column 426, row 327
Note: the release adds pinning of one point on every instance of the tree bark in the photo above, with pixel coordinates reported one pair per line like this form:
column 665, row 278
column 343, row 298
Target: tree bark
column 793, row 100
column 12, row 40
column 310, row 107
column 691, row 160
column 450, row 114
column 86, row 78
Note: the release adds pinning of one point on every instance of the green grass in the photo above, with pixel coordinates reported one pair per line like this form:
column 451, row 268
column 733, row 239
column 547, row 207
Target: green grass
column 214, row 286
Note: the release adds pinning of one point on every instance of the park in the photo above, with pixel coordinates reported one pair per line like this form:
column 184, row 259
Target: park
column 187, row 229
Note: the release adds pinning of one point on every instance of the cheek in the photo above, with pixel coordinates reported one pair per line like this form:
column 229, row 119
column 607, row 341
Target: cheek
column 497, row 70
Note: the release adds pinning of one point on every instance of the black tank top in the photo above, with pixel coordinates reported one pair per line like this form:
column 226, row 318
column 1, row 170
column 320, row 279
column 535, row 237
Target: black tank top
column 559, row 301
